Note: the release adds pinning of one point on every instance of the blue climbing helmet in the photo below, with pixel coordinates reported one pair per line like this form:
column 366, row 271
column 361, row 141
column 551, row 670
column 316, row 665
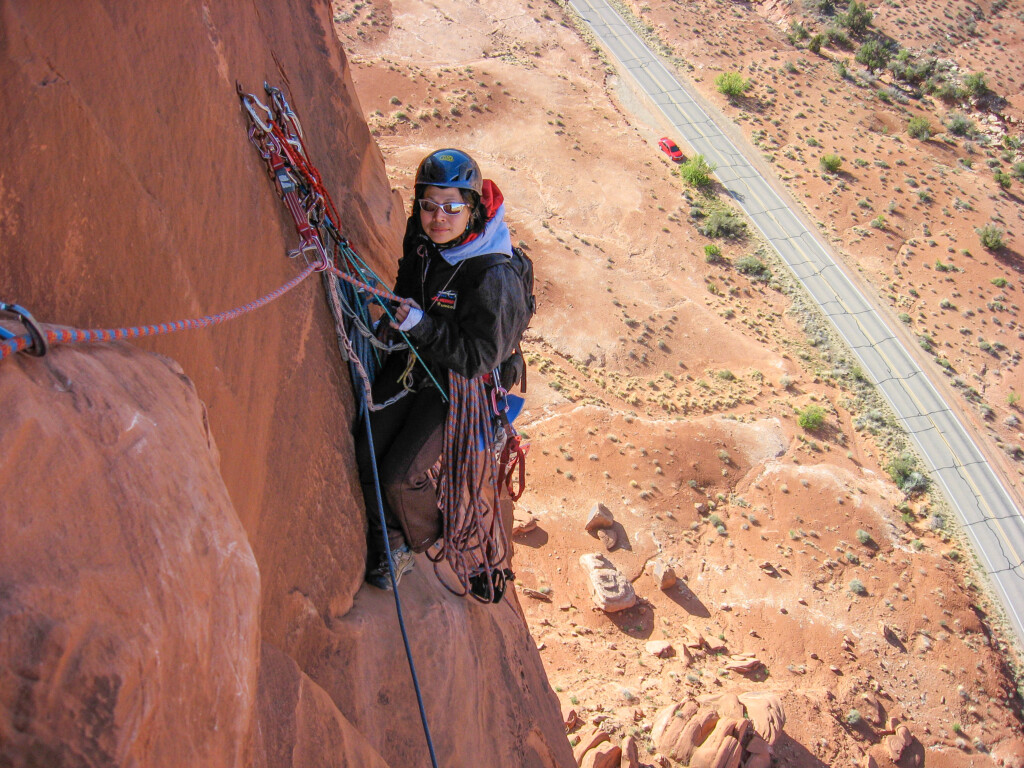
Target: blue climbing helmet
column 450, row 168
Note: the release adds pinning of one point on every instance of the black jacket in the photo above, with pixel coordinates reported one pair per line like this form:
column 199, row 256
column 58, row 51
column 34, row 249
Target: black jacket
column 471, row 315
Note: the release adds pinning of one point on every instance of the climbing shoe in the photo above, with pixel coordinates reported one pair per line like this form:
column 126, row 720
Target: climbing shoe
column 402, row 561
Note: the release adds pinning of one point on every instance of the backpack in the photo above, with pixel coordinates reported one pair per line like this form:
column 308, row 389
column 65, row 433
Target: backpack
column 522, row 265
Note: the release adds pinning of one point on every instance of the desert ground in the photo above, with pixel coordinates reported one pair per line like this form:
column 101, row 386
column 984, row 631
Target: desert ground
column 669, row 384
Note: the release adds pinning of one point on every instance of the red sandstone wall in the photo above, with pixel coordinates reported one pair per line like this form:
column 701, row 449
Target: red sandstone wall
column 129, row 194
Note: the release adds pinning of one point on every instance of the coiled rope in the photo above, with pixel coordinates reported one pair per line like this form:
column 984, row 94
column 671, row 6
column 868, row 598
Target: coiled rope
column 474, row 543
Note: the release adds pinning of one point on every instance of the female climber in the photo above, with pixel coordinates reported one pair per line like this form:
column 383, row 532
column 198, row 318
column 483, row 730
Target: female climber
column 459, row 317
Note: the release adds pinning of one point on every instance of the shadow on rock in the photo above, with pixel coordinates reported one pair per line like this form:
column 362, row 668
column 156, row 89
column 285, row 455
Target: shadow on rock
column 684, row 597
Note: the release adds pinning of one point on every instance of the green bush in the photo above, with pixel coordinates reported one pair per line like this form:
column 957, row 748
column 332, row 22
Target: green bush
column 837, row 38
column 863, row 536
column 754, row 268
column 858, row 588
column 815, row 43
column 975, row 86
column 831, row 162
column 919, row 128
column 1017, row 171
column 697, row 171
column 991, row 237
column 732, row 84
column 959, row 125
column 1003, row 179
column 723, row 224
column 874, row 55
column 712, row 253
column 853, row 717
column 811, row 418
column 857, row 18
column 903, row 471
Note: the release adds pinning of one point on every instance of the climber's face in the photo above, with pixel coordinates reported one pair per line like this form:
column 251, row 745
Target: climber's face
column 444, row 215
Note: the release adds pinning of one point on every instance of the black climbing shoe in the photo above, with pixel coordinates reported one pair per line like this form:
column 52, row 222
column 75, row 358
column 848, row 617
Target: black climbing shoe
column 378, row 575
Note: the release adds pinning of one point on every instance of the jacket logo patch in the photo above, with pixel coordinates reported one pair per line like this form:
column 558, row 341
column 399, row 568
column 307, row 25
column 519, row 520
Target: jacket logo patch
column 445, row 299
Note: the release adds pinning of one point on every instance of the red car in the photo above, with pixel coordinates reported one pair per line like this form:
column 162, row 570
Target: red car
column 671, row 149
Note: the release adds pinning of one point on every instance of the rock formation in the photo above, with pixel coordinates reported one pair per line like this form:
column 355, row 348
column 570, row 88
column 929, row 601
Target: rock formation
column 720, row 731
column 143, row 534
column 610, row 590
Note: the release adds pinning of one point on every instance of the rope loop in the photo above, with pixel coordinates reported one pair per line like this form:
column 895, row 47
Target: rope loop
column 37, row 346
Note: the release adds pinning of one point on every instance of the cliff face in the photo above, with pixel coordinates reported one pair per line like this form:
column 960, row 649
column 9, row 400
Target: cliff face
column 142, row 534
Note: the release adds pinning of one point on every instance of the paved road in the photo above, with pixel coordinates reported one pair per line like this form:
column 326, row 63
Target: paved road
column 987, row 511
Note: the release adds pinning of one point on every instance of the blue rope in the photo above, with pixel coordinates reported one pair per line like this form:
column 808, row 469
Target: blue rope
column 394, row 586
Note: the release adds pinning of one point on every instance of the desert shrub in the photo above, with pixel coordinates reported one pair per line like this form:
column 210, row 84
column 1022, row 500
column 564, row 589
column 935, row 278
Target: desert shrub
column 712, row 253
column 815, row 43
column 753, row 267
column 919, row 128
column 857, row 587
column 1017, row 171
column 732, row 84
column 831, row 162
column 863, row 536
column 1003, row 179
column 910, row 68
column 874, row 55
column 697, row 171
column 841, row 69
column 797, row 32
column 853, row 717
column 824, row 7
column 975, row 85
column 999, row 282
column 723, row 224
column 837, row 37
column 857, row 18
column 904, row 472
column 811, row 418
column 959, row 125
column 991, row 237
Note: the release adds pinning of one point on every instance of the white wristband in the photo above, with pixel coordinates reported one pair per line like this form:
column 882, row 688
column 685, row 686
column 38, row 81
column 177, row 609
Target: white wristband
column 414, row 316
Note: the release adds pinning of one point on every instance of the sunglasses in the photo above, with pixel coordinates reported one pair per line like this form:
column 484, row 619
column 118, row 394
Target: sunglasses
column 429, row 206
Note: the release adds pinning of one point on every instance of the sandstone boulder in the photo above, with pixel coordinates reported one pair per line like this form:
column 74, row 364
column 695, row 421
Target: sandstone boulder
column 610, row 590
column 602, row 756
column 587, row 742
column 599, row 518
column 663, row 574
column 630, row 753
column 523, row 523
column 765, row 711
column 608, row 537
column 898, row 742
column 723, row 746
column 662, row 649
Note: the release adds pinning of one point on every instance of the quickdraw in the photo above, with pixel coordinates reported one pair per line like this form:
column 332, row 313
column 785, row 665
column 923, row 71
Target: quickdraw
column 512, row 455
column 277, row 134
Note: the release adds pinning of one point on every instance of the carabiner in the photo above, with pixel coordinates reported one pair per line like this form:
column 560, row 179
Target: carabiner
column 251, row 102
column 38, row 347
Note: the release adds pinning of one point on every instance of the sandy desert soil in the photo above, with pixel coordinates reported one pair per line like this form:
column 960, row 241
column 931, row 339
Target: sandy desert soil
column 668, row 387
